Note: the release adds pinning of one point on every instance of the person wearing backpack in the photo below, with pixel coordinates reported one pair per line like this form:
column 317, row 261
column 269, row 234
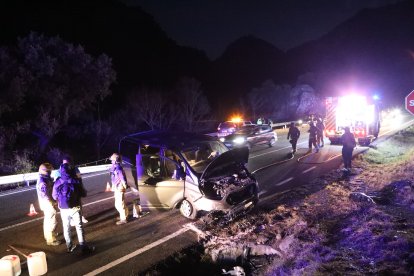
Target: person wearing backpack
column 293, row 135
column 119, row 186
column 67, row 191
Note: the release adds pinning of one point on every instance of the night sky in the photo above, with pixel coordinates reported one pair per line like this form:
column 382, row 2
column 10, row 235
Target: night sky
column 211, row 25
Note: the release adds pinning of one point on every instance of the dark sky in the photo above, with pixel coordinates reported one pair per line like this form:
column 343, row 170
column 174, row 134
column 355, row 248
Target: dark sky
column 211, row 25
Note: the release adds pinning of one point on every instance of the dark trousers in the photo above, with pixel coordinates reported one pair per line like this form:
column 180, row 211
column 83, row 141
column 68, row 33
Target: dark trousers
column 293, row 142
column 347, row 156
column 312, row 141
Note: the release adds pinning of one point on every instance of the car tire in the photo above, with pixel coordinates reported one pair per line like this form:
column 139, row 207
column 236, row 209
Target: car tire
column 187, row 209
column 272, row 142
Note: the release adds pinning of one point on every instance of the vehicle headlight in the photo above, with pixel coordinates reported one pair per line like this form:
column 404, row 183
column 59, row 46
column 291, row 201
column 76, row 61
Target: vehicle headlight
column 239, row 140
column 222, row 139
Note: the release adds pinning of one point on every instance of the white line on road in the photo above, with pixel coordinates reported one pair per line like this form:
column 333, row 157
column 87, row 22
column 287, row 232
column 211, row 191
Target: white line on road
column 284, row 181
column 262, row 192
column 272, row 151
column 308, row 170
column 146, row 206
column 136, row 253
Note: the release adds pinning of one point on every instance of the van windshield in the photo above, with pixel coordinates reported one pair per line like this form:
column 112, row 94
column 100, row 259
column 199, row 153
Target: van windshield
column 200, row 155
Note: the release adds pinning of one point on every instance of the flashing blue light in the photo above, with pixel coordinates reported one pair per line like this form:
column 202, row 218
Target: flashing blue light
column 376, row 97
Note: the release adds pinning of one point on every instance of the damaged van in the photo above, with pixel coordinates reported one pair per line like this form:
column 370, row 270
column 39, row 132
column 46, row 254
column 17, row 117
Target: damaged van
column 193, row 172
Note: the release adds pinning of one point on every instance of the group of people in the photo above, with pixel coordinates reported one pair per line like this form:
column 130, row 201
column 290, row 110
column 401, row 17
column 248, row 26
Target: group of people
column 316, row 139
column 65, row 193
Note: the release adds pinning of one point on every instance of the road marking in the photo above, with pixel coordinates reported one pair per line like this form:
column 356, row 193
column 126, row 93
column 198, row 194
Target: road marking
column 146, row 206
column 284, row 181
column 272, row 151
column 137, row 252
column 262, row 192
column 308, row 170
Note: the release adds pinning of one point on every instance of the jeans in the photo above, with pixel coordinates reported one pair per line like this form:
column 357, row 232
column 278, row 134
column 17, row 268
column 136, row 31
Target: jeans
column 75, row 215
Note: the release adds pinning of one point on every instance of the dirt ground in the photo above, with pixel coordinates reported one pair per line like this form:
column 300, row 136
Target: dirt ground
column 356, row 224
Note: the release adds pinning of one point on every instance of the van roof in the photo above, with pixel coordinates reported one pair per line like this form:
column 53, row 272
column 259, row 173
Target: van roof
column 170, row 139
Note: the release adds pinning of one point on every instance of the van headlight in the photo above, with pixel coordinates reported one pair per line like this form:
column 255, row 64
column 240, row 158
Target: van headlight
column 222, row 139
column 239, row 140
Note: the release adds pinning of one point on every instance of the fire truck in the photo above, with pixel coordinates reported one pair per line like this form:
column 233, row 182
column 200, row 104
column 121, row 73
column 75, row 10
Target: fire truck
column 360, row 114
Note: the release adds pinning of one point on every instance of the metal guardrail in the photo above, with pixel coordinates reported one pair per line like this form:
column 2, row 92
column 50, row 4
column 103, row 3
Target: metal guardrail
column 27, row 177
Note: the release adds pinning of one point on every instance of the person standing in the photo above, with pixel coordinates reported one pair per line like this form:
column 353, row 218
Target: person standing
column 313, row 130
column 321, row 128
column 293, row 135
column 75, row 170
column 119, row 186
column 44, row 188
column 68, row 191
column 348, row 145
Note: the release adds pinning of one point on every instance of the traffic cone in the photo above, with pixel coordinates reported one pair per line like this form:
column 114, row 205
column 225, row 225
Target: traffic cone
column 108, row 187
column 32, row 211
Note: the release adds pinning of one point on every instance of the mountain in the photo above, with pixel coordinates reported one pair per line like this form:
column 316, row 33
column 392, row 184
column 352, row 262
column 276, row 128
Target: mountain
column 246, row 63
column 371, row 52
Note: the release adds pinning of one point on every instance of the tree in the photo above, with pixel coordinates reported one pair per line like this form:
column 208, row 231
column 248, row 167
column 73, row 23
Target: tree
column 193, row 104
column 46, row 83
column 153, row 108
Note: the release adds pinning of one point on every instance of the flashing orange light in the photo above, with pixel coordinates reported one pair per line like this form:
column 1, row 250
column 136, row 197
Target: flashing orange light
column 329, row 132
column 236, row 119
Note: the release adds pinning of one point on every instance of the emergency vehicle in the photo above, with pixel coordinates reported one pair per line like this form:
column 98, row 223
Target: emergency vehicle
column 360, row 114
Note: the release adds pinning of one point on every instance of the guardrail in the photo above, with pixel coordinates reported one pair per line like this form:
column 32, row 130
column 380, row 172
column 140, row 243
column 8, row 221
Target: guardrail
column 28, row 177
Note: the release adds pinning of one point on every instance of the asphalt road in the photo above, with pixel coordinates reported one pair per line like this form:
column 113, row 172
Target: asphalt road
column 134, row 247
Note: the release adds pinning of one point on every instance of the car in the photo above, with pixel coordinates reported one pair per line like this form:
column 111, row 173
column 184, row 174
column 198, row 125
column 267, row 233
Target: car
column 229, row 127
column 250, row 136
column 193, row 172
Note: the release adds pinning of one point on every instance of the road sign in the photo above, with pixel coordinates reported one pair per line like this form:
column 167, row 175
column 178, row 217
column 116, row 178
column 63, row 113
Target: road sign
column 409, row 102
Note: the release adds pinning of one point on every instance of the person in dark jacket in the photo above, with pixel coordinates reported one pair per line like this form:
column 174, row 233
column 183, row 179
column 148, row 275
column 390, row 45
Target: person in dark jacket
column 44, row 188
column 313, row 130
column 293, row 135
column 67, row 191
column 348, row 145
column 319, row 135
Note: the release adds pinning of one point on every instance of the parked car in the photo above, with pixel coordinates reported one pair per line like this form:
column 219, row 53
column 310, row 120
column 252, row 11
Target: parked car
column 229, row 127
column 193, row 172
column 250, row 136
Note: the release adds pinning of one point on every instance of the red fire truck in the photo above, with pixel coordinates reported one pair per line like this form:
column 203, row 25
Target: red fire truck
column 357, row 112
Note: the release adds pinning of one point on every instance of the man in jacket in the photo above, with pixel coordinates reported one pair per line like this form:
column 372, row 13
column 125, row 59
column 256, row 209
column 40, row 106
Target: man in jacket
column 293, row 135
column 119, row 186
column 312, row 136
column 68, row 191
column 44, row 188
column 348, row 145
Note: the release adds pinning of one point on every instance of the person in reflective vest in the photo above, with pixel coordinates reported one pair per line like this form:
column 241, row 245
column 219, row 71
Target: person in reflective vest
column 119, row 186
column 44, row 188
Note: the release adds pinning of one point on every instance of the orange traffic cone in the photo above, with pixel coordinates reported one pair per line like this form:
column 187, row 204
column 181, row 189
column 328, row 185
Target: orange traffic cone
column 108, row 187
column 32, row 211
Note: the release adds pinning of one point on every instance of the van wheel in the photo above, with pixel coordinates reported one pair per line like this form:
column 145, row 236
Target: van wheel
column 272, row 142
column 187, row 209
